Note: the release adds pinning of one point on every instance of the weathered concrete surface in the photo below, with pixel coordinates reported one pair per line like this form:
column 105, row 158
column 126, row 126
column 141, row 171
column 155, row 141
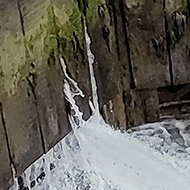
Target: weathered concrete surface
column 51, row 106
column 130, row 52
column 12, row 48
column 30, row 82
column 111, row 61
column 114, row 112
column 34, row 107
column 107, row 72
column 23, row 127
column 134, row 51
column 133, row 108
column 39, row 31
column 146, row 33
column 178, row 21
column 141, row 106
column 150, row 102
column 71, row 39
column 6, row 179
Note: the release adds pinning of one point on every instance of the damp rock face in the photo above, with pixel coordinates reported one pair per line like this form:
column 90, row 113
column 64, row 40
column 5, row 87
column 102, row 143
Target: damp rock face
column 139, row 46
column 5, row 168
column 34, row 34
column 130, row 48
column 178, row 20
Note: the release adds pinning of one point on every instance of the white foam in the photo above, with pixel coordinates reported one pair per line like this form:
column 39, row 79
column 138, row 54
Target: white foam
column 95, row 157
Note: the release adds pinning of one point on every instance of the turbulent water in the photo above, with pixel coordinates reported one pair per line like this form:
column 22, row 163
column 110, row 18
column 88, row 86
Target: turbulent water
column 153, row 157
column 96, row 157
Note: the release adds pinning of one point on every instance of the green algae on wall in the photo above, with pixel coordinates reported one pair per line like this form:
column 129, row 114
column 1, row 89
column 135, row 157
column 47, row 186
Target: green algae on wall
column 175, row 5
column 92, row 14
column 177, row 12
column 42, row 39
column 69, row 18
column 53, row 28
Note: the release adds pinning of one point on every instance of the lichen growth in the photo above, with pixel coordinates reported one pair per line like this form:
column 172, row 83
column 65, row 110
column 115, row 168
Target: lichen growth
column 92, row 14
column 176, row 5
column 23, row 70
column 59, row 31
column 177, row 28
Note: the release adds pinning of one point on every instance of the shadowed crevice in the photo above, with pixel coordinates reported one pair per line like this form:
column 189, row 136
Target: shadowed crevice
column 168, row 42
column 21, row 18
column 113, row 12
column 6, row 135
column 122, row 10
column 32, row 84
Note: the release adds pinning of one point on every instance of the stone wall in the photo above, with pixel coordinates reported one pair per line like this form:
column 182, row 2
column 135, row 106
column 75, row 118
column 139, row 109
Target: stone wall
column 140, row 47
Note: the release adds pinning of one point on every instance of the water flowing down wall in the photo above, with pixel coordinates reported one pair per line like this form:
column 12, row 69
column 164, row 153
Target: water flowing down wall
column 141, row 56
column 93, row 155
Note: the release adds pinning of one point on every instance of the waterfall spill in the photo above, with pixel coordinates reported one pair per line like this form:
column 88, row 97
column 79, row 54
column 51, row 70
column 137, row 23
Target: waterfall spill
column 95, row 157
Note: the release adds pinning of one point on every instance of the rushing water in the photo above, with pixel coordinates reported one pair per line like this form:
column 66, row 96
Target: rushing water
column 95, row 157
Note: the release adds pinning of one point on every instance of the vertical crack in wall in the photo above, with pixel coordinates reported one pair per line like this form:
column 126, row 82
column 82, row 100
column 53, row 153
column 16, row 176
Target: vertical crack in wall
column 6, row 136
column 32, row 83
column 122, row 10
column 168, row 42
column 112, row 9
column 21, row 18
column 83, row 6
column 188, row 8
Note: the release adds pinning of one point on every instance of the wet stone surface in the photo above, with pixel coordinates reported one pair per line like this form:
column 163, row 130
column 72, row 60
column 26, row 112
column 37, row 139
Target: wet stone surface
column 63, row 166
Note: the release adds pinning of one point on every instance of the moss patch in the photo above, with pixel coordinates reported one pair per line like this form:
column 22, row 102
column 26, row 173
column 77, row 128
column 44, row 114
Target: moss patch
column 59, row 31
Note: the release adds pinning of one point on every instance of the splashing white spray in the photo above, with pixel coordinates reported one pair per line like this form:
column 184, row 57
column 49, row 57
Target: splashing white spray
column 96, row 157
column 71, row 90
column 91, row 59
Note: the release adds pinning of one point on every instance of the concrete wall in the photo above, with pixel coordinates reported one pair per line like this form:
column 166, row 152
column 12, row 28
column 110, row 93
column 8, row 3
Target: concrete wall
column 139, row 46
